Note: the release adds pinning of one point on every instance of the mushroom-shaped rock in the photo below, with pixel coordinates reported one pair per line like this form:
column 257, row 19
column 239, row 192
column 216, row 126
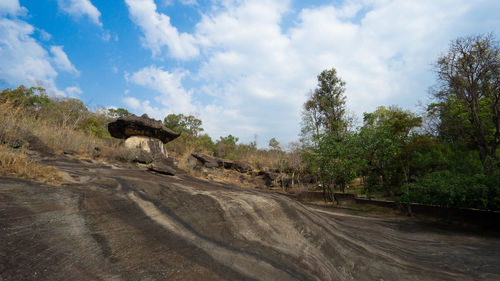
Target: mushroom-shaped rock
column 143, row 132
column 133, row 125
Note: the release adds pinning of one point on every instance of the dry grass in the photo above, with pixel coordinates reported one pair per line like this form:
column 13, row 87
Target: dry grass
column 18, row 123
column 16, row 120
column 258, row 159
column 17, row 164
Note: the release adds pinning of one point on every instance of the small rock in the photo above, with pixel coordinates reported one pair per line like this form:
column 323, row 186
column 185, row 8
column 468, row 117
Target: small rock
column 15, row 143
column 162, row 166
column 70, row 152
column 269, row 177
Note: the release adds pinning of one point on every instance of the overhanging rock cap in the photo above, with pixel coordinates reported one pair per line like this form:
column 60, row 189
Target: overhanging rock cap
column 133, row 125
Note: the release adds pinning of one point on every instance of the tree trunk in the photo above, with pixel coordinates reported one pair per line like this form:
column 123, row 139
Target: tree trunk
column 389, row 190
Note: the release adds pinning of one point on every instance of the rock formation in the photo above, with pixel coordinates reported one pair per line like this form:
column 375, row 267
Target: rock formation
column 143, row 132
column 199, row 160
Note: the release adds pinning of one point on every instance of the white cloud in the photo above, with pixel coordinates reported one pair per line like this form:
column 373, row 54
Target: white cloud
column 24, row 61
column 132, row 102
column 166, row 3
column 73, row 91
column 173, row 96
column 80, row 9
column 106, row 35
column 141, row 107
column 189, row 2
column 11, row 7
column 159, row 33
column 61, row 61
column 44, row 35
column 255, row 73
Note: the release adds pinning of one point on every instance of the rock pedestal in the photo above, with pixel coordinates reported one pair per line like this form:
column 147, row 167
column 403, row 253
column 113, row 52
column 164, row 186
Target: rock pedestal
column 148, row 144
column 144, row 133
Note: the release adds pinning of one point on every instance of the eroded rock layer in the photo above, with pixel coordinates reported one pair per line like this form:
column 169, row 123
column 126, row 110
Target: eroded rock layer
column 133, row 125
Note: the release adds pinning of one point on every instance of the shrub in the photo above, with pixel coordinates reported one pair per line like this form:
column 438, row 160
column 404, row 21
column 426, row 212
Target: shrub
column 448, row 189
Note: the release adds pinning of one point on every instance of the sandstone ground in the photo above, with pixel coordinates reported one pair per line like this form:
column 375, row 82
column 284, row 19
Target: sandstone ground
column 123, row 222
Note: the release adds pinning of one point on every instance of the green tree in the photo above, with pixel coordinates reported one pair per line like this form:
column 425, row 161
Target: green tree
column 226, row 147
column 324, row 111
column 118, row 112
column 181, row 123
column 381, row 142
column 324, row 131
column 468, row 95
column 34, row 97
column 337, row 162
column 206, row 142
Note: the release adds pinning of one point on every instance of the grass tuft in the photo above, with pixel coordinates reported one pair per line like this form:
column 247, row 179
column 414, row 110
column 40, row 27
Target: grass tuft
column 17, row 164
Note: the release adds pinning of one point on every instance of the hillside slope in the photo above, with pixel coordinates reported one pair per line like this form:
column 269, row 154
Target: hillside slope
column 122, row 222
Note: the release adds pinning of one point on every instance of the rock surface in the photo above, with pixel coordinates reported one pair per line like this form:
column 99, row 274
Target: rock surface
column 143, row 157
column 147, row 144
column 162, row 166
column 205, row 160
column 239, row 166
column 120, row 222
column 133, row 125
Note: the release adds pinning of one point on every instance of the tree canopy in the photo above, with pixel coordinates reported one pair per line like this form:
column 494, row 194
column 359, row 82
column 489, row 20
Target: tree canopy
column 324, row 110
column 468, row 96
column 183, row 124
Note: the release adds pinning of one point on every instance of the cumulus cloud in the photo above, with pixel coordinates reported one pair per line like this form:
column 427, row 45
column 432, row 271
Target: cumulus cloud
column 73, row 91
column 80, row 9
column 173, row 98
column 255, row 72
column 61, row 60
column 11, row 7
column 24, row 61
column 159, row 33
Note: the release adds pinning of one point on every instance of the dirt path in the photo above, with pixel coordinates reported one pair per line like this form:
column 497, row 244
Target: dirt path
column 114, row 222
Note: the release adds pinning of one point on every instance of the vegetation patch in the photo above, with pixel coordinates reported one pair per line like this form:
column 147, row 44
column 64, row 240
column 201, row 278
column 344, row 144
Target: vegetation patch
column 15, row 163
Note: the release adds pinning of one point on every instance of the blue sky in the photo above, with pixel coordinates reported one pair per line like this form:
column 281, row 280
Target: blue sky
column 243, row 67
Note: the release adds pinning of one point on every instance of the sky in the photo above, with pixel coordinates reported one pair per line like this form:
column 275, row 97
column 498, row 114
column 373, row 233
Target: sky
column 243, row 67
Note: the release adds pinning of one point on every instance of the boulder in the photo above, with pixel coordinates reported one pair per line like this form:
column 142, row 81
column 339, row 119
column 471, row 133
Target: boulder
column 36, row 143
column 207, row 161
column 211, row 162
column 193, row 163
column 162, row 166
column 133, row 125
column 241, row 167
column 268, row 177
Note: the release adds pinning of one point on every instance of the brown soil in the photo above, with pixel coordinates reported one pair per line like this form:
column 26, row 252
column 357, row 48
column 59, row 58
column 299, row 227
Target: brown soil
column 122, row 222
